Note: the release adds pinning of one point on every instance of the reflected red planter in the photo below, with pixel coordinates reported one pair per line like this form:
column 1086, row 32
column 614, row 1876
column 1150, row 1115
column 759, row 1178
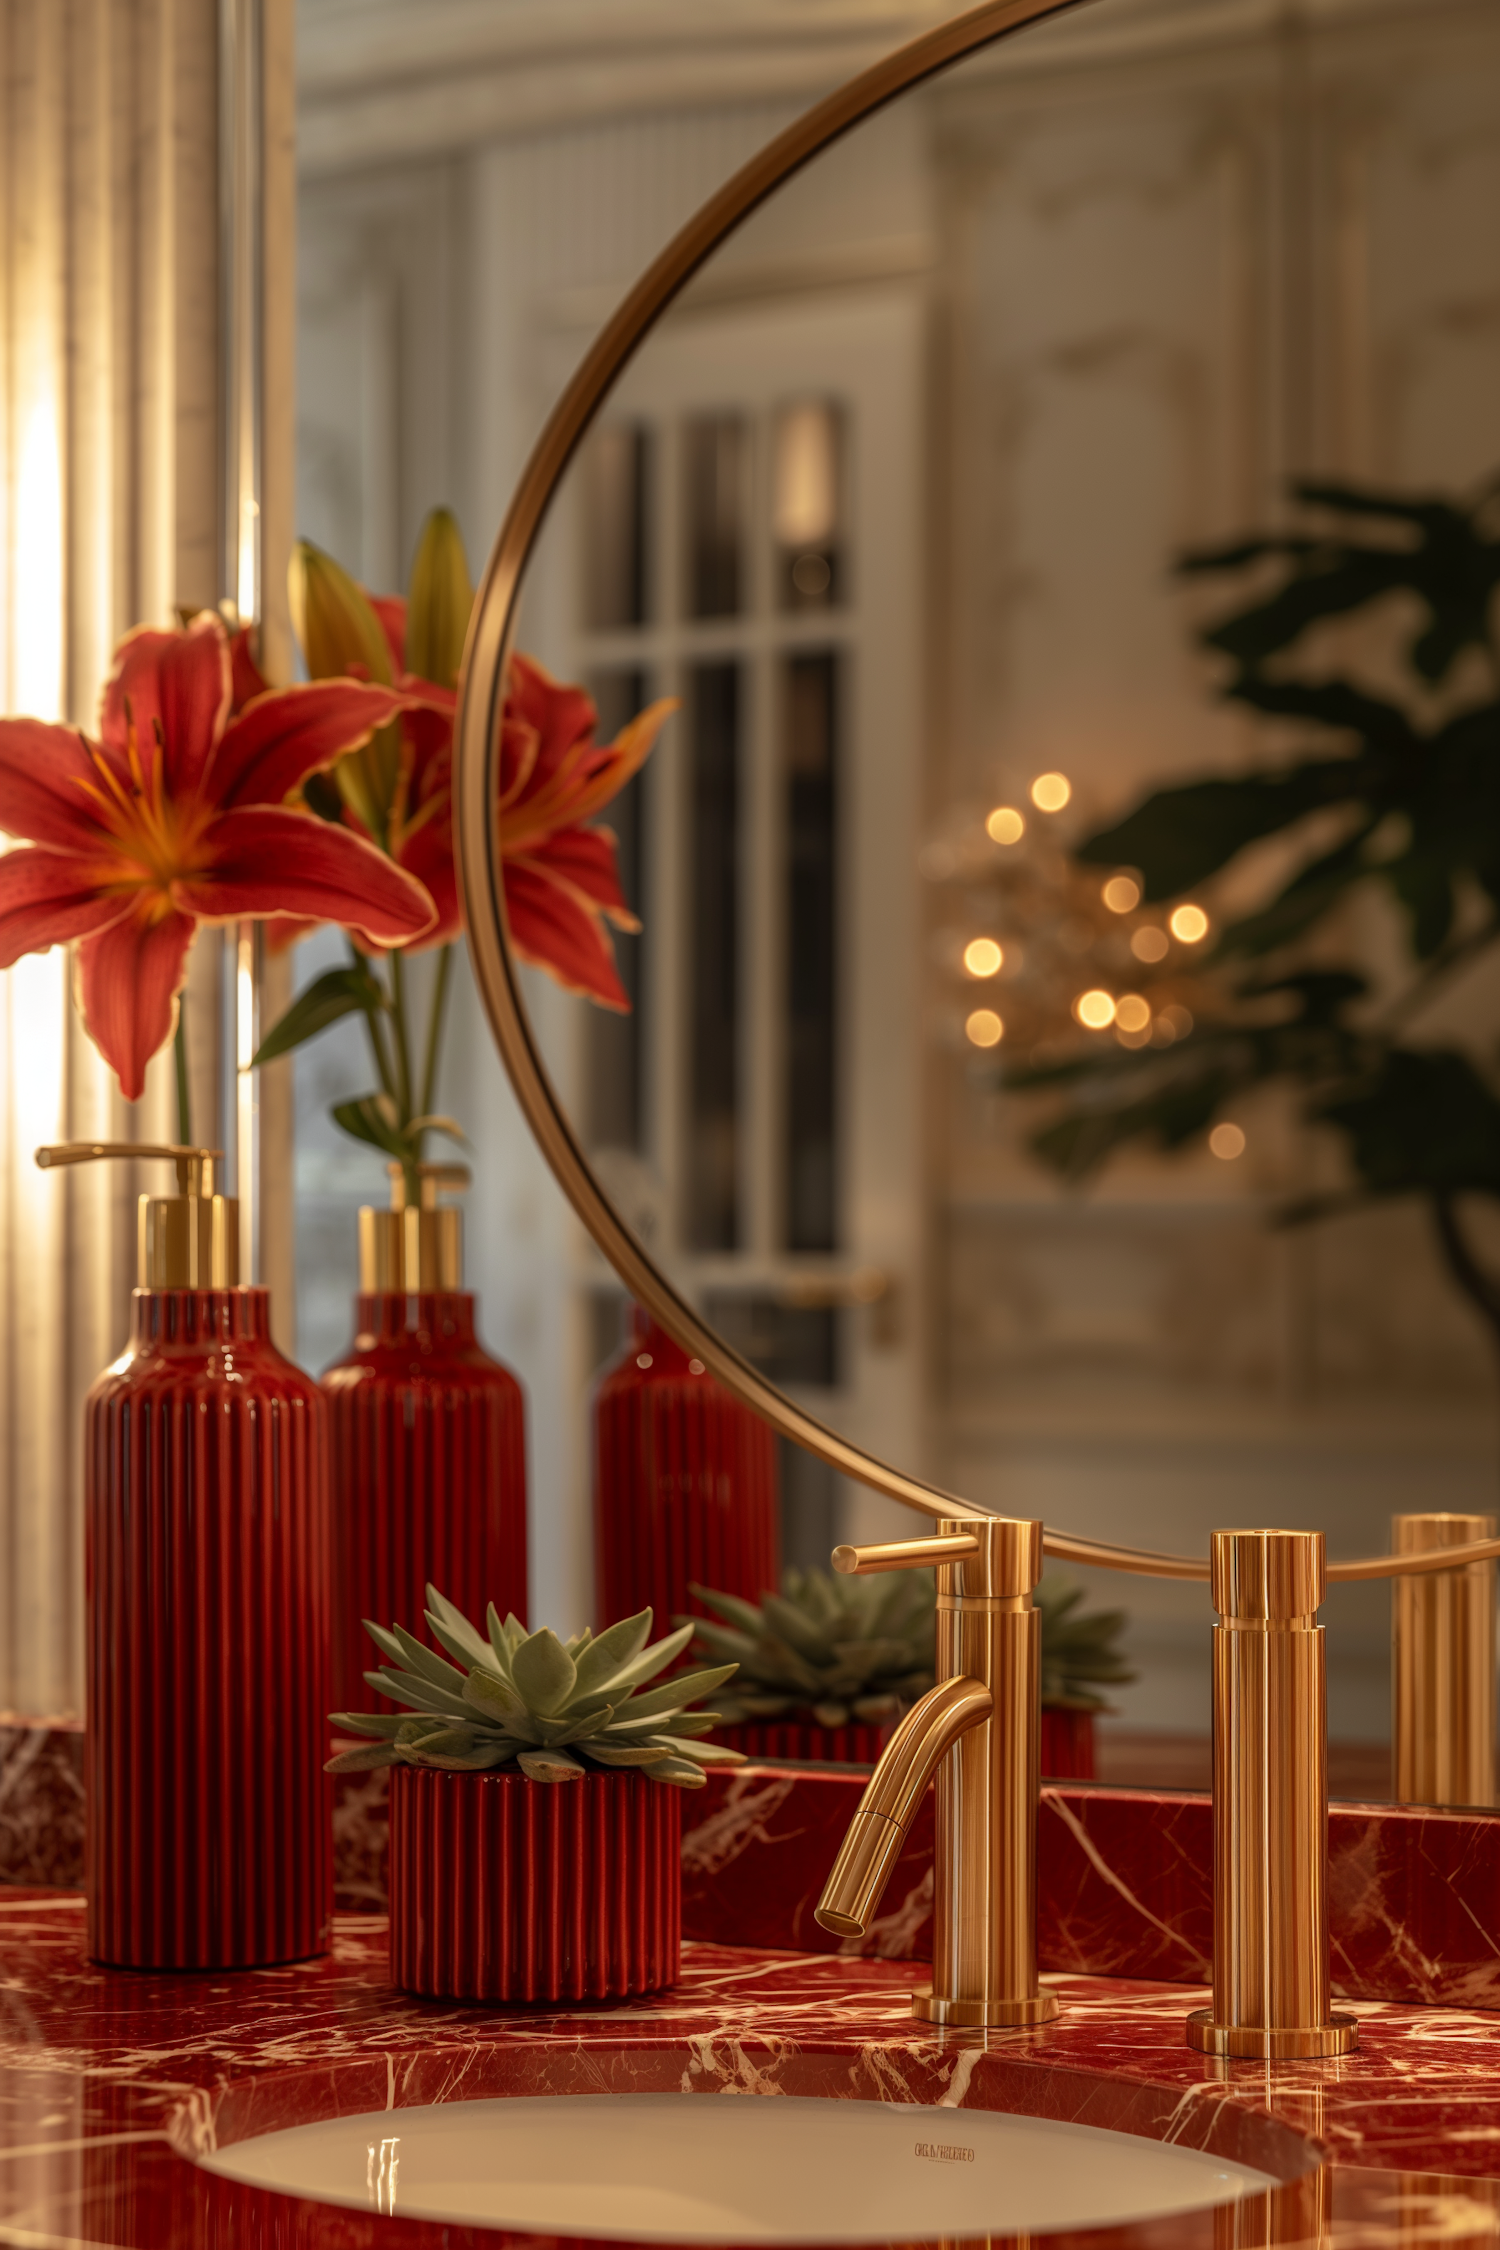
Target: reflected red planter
column 208, row 1840
column 685, row 1485
column 427, row 1442
column 1067, row 1745
column 855, row 1744
column 509, row 1889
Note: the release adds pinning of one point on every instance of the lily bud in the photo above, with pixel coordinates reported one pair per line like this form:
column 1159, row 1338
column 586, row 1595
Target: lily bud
column 340, row 632
column 439, row 600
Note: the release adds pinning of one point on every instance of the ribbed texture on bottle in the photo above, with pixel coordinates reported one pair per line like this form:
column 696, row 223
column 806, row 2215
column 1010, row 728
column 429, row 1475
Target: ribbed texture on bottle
column 685, row 1487
column 207, row 1528
column 509, row 1889
column 427, row 1439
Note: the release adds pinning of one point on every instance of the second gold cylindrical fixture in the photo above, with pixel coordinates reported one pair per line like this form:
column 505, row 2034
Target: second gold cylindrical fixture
column 1271, row 1978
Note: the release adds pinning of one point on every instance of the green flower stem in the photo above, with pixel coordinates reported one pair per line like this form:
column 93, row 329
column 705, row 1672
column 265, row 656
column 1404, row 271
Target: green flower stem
column 400, row 1040
column 376, row 1035
column 435, row 1032
column 184, row 1090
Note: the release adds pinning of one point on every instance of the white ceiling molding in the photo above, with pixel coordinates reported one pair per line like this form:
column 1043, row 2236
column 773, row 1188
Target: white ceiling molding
column 385, row 80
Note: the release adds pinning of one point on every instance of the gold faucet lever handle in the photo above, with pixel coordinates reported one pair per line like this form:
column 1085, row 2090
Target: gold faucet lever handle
column 903, row 1554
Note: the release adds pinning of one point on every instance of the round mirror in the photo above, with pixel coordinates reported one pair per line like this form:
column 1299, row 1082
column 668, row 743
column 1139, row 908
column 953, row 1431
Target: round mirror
column 1034, row 481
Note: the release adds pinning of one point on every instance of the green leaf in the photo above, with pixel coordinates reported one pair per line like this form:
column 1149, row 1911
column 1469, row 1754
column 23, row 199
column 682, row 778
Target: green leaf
column 678, row 1692
column 1180, row 836
column 550, row 1765
column 459, row 1637
column 544, row 1672
column 439, row 600
column 371, row 1119
column 1427, row 1121
column 731, row 1607
column 364, row 1761
column 329, row 998
column 619, row 1645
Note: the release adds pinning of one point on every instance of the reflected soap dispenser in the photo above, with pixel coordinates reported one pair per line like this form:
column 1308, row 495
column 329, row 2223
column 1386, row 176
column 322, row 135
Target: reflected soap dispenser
column 427, row 1438
column 208, row 1838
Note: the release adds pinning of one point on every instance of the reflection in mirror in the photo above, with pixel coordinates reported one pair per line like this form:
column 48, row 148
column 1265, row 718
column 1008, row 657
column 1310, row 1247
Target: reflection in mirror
column 891, row 503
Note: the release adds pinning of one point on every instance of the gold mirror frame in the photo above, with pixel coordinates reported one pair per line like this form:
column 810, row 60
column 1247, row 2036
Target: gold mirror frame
column 477, row 751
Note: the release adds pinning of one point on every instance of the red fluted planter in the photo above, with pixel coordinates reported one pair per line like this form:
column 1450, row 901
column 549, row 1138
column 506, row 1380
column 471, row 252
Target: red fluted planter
column 685, row 1485
column 427, row 1438
column 1067, row 1745
column 509, row 1889
column 207, row 1569
column 855, row 1744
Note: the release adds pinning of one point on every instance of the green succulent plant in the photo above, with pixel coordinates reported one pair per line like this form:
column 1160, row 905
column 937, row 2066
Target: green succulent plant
column 534, row 1701
column 1080, row 1654
column 862, row 1648
column 843, row 1648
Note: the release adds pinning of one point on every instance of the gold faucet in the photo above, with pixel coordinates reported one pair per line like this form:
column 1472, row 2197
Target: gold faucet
column 979, row 1730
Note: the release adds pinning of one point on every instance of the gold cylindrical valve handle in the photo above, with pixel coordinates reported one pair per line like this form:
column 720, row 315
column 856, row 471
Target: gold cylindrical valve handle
column 1271, row 1979
column 1443, row 1667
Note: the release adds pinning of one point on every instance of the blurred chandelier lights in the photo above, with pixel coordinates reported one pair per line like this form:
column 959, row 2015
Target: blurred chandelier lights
column 1076, row 951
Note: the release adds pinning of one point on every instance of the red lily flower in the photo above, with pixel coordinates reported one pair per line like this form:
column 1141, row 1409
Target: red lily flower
column 562, row 886
column 179, row 815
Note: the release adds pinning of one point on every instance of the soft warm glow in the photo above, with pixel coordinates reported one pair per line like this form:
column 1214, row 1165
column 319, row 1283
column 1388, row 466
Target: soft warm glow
column 1132, row 1013
column 1051, row 791
column 1005, row 825
column 1121, row 894
column 1096, row 1009
column 1172, row 1023
column 1189, row 923
column 36, row 681
column 1149, row 943
column 1227, row 1141
column 982, row 957
column 984, row 1028
column 805, row 502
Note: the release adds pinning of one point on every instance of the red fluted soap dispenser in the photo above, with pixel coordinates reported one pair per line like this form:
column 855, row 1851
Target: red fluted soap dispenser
column 427, row 1439
column 685, row 1484
column 205, row 1494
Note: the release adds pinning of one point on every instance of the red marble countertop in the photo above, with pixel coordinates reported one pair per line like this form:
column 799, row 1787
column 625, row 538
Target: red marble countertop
column 110, row 2081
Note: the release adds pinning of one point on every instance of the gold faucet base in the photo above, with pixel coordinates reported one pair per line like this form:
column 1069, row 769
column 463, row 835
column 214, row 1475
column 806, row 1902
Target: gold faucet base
column 1262, row 2043
column 984, row 2015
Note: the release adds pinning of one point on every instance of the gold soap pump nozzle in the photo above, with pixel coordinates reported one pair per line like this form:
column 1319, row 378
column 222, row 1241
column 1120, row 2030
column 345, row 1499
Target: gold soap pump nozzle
column 414, row 1248
column 190, row 1240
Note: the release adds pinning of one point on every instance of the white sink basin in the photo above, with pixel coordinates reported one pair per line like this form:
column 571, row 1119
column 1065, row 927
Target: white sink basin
column 717, row 2168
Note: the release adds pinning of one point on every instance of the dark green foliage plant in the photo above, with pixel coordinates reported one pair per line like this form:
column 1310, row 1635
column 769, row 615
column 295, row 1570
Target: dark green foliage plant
column 839, row 1648
column 1393, row 789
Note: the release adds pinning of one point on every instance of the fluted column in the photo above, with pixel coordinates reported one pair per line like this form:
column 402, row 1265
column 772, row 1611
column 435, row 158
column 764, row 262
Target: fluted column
column 110, row 510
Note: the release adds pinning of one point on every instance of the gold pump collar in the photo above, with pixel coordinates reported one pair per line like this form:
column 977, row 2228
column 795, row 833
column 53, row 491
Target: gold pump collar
column 414, row 1248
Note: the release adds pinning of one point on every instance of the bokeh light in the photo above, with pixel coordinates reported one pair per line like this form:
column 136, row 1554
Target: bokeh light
column 1005, row 825
column 984, row 1028
column 982, row 957
column 1095, row 1009
column 1132, row 1013
column 1227, row 1141
column 1121, row 894
column 1149, row 943
column 1189, row 923
column 1051, row 791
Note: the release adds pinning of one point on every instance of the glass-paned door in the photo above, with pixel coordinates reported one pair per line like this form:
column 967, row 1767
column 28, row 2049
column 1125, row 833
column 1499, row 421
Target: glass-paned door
column 746, row 536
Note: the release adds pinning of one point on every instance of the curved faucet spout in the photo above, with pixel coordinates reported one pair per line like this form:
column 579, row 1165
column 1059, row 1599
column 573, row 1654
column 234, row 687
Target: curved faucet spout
column 889, row 1805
